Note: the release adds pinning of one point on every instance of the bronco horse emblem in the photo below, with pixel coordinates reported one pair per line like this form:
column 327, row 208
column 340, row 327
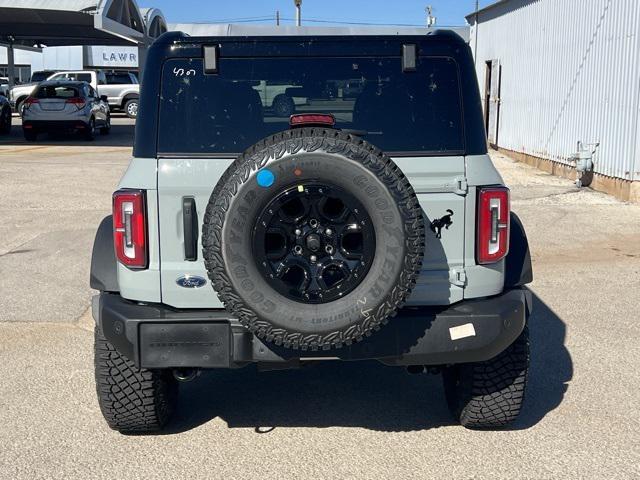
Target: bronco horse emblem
column 439, row 223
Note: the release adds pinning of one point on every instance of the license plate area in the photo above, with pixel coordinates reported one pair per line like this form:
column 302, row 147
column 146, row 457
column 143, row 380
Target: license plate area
column 170, row 345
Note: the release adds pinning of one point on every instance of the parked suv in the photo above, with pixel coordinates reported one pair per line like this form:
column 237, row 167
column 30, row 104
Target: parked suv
column 19, row 94
column 65, row 106
column 373, row 227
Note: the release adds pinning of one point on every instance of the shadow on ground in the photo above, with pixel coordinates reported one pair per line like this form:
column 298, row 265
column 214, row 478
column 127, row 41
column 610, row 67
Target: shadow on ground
column 363, row 394
column 121, row 135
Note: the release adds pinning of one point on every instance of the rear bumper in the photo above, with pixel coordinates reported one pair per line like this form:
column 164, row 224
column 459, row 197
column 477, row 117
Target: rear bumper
column 54, row 125
column 157, row 336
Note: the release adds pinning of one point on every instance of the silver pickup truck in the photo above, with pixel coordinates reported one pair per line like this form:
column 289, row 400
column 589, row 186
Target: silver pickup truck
column 122, row 89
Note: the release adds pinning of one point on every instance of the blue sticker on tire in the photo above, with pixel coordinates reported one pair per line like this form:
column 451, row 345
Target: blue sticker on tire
column 265, row 178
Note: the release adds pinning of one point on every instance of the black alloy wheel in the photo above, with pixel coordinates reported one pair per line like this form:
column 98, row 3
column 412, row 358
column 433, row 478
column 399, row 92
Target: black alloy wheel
column 314, row 243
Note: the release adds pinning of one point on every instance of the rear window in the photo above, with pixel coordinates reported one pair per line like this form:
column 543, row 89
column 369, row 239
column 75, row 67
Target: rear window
column 118, row 79
column 251, row 98
column 80, row 77
column 59, row 91
column 40, row 76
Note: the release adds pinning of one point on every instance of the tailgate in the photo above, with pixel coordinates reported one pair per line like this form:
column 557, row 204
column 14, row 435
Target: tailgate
column 438, row 181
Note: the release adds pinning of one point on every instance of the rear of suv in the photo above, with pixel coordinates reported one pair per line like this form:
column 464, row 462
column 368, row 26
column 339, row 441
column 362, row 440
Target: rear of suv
column 369, row 224
column 65, row 106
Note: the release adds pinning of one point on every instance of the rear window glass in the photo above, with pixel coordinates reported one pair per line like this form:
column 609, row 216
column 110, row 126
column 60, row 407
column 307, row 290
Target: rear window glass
column 40, row 76
column 56, row 92
column 81, row 77
column 119, row 78
column 251, row 98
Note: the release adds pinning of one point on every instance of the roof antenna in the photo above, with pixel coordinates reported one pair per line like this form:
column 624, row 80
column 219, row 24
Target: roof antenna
column 431, row 20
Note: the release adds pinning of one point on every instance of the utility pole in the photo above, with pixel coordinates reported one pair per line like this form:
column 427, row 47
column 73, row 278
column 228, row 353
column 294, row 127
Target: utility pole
column 278, row 18
column 431, row 20
column 298, row 4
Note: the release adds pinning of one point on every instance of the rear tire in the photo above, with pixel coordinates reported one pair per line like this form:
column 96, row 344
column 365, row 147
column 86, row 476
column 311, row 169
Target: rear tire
column 5, row 120
column 131, row 400
column 90, row 133
column 487, row 395
column 107, row 127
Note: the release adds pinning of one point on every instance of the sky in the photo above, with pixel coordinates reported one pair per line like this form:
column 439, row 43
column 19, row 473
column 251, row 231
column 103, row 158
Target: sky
column 325, row 12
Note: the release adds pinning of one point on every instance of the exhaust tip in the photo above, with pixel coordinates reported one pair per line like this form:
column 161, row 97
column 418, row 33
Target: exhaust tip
column 185, row 374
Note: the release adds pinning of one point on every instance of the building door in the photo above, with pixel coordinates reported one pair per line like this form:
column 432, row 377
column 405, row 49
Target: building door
column 492, row 101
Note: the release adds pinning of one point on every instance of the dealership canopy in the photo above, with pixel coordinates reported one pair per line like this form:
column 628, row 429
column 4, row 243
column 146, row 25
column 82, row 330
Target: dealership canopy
column 39, row 23
column 34, row 23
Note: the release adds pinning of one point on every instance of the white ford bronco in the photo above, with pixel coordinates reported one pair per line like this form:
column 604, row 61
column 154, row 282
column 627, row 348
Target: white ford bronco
column 368, row 224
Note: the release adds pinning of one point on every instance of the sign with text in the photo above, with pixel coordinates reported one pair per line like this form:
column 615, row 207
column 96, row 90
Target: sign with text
column 114, row 57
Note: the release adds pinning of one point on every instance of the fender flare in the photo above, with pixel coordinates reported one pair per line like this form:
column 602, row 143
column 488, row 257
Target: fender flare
column 518, row 270
column 104, row 267
column 129, row 96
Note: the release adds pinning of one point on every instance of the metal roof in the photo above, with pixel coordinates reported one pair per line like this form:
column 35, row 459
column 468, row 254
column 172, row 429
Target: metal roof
column 72, row 22
column 491, row 6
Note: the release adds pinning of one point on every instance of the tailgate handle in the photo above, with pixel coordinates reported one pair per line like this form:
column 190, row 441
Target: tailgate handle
column 190, row 227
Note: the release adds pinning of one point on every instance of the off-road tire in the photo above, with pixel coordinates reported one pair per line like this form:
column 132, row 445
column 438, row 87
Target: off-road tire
column 490, row 394
column 229, row 191
column 131, row 400
column 5, row 120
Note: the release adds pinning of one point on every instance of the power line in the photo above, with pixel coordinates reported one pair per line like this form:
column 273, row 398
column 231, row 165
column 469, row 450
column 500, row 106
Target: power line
column 272, row 18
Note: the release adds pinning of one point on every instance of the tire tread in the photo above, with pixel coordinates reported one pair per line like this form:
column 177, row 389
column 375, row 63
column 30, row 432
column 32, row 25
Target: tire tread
column 131, row 400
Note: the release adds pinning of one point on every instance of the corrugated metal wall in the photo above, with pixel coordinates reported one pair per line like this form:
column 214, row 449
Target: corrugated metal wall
column 570, row 71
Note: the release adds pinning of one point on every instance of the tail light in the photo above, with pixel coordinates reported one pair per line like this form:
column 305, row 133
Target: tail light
column 77, row 101
column 30, row 101
column 130, row 228
column 312, row 120
column 493, row 224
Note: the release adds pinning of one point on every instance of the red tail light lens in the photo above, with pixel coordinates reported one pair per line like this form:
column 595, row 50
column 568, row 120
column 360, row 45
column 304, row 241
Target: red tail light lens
column 30, row 101
column 130, row 228
column 77, row 101
column 312, row 119
column 493, row 224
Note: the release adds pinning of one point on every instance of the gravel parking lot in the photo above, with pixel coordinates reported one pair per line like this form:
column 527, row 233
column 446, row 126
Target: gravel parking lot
column 336, row 420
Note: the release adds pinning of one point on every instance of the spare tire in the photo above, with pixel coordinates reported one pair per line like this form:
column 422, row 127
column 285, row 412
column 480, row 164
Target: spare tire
column 313, row 238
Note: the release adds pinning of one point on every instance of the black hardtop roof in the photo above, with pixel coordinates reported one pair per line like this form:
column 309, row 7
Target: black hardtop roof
column 181, row 38
column 177, row 45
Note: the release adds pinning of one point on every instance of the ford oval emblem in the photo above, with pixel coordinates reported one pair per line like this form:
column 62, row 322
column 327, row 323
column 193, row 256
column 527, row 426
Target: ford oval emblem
column 191, row 281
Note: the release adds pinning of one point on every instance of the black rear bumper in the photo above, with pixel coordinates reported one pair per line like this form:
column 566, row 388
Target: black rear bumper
column 57, row 126
column 157, row 336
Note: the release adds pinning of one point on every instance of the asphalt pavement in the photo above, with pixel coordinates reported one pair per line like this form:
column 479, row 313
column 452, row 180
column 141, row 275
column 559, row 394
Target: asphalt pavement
column 336, row 420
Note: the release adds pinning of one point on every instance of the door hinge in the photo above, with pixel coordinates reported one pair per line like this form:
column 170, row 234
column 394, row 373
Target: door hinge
column 458, row 276
column 461, row 186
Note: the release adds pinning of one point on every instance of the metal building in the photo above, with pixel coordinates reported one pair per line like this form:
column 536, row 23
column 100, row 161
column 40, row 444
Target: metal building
column 553, row 73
